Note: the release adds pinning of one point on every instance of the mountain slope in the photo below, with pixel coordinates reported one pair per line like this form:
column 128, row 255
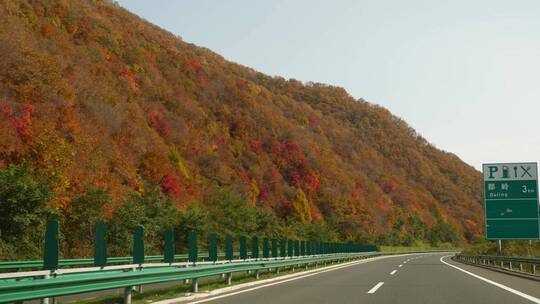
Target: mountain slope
column 93, row 96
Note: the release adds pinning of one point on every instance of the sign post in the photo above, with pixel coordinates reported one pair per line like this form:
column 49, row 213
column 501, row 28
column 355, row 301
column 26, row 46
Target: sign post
column 511, row 201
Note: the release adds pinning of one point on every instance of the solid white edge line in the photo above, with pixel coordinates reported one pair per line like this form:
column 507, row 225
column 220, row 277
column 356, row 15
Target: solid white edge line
column 374, row 289
column 278, row 282
column 393, row 272
column 400, row 265
column 516, row 292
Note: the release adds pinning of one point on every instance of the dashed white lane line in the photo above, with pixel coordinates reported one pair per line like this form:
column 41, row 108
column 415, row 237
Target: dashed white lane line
column 393, row 272
column 374, row 289
column 516, row 292
column 400, row 265
column 274, row 281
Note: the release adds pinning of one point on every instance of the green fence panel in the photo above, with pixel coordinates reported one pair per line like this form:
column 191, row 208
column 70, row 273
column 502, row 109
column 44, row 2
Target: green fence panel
column 229, row 254
column 282, row 248
column 266, row 248
column 296, row 248
column 52, row 246
column 193, row 254
column 302, row 248
column 274, row 248
column 168, row 253
column 243, row 247
column 290, row 247
column 138, row 245
column 212, row 247
column 255, row 247
column 100, row 246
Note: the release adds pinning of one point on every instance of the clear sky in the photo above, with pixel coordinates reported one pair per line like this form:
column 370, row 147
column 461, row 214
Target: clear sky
column 464, row 74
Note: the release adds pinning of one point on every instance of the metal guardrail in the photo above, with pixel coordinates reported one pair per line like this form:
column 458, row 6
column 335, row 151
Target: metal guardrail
column 514, row 264
column 38, row 264
column 66, row 284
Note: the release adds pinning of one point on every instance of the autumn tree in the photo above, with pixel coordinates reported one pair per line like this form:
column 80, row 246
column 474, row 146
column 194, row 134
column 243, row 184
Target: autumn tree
column 300, row 209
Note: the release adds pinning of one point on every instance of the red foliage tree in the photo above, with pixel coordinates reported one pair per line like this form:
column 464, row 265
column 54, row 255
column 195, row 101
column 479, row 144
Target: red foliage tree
column 313, row 182
column 203, row 80
column 389, row 186
column 295, row 179
column 132, row 77
column 264, row 194
column 171, row 186
column 294, row 153
column 22, row 122
column 357, row 189
column 256, row 147
column 244, row 176
column 159, row 122
column 196, row 65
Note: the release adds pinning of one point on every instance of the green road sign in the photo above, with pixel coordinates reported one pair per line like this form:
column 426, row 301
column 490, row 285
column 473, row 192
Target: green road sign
column 511, row 201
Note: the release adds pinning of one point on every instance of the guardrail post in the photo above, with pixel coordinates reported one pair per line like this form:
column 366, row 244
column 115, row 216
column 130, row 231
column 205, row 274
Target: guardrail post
column 229, row 278
column 257, row 274
column 127, row 295
column 521, row 267
column 534, row 268
column 195, row 285
column 45, row 300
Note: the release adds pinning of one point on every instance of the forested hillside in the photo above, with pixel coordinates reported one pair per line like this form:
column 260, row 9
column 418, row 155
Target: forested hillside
column 105, row 117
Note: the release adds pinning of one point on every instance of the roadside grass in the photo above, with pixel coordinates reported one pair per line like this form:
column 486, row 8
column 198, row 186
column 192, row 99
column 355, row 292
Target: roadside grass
column 514, row 248
column 418, row 246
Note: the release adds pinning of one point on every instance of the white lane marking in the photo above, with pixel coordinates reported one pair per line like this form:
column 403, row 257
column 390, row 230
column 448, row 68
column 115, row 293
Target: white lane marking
column 516, row 292
column 400, row 265
column 393, row 272
column 405, row 262
column 274, row 283
column 372, row 290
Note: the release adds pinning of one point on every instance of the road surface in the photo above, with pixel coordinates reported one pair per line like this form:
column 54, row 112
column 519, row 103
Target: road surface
column 415, row 279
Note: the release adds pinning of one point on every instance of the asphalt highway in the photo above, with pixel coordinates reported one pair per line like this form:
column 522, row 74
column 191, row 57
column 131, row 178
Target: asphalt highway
column 414, row 279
